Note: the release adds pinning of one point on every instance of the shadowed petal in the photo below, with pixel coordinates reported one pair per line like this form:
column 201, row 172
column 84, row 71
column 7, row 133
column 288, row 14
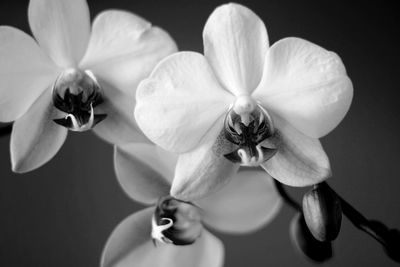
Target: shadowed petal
column 180, row 101
column 124, row 48
column 235, row 42
column 204, row 170
column 35, row 137
column 248, row 202
column 306, row 85
column 119, row 127
column 143, row 174
column 62, row 28
column 300, row 160
column 25, row 72
column 130, row 245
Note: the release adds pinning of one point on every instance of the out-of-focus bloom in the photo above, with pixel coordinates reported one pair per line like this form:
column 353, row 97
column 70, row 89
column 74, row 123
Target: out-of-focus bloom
column 73, row 75
column 145, row 173
column 243, row 102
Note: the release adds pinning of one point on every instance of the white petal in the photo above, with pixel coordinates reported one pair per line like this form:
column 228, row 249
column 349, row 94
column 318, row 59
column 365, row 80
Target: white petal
column 300, row 160
column 62, row 28
column 130, row 246
column 248, row 202
column 180, row 101
column 25, row 72
column 119, row 127
column 124, row 49
column 35, row 137
column 306, row 85
column 235, row 42
column 204, row 170
column 143, row 174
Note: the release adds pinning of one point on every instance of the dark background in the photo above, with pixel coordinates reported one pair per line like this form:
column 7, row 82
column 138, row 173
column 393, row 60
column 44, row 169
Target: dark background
column 62, row 213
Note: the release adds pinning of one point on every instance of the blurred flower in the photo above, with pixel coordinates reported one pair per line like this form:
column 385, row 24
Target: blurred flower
column 145, row 173
column 74, row 75
column 244, row 103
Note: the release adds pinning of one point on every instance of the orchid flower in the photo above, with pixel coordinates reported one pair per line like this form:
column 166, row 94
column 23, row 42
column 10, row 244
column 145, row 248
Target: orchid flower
column 170, row 233
column 244, row 103
column 72, row 76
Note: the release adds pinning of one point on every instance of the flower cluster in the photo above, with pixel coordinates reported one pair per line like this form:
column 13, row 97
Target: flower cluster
column 189, row 130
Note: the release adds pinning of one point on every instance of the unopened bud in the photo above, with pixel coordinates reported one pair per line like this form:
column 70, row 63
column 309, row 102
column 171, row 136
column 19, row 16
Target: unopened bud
column 176, row 222
column 306, row 244
column 322, row 212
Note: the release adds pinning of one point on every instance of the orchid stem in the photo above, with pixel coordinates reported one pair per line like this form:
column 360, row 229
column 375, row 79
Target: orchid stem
column 5, row 130
column 290, row 201
column 388, row 238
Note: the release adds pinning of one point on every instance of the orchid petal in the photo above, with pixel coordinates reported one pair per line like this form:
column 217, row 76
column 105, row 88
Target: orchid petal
column 235, row 43
column 62, row 28
column 130, row 245
column 142, row 173
column 119, row 127
column 204, row 170
column 25, row 72
column 248, row 202
column 300, row 160
column 306, row 85
column 180, row 101
column 124, row 48
column 35, row 138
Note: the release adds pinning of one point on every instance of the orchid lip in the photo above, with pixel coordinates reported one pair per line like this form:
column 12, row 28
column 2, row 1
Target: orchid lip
column 175, row 222
column 157, row 230
column 247, row 125
column 77, row 93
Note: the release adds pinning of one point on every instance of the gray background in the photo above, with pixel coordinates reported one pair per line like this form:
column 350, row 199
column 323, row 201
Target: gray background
column 62, row 213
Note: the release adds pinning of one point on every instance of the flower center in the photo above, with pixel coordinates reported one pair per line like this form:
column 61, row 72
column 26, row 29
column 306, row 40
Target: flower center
column 77, row 93
column 176, row 222
column 247, row 125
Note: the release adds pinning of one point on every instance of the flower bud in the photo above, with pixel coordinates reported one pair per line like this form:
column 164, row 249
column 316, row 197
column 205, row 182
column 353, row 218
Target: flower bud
column 306, row 244
column 176, row 222
column 322, row 212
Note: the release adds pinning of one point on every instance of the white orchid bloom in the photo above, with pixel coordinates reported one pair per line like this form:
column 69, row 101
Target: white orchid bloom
column 244, row 103
column 150, row 237
column 73, row 75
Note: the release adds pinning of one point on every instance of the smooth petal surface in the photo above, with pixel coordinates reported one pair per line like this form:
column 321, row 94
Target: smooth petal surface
column 119, row 127
column 62, row 28
column 25, row 72
column 300, row 160
column 235, row 42
column 306, row 85
column 180, row 101
column 35, row 138
column 143, row 174
column 124, row 48
column 248, row 202
column 130, row 245
column 204, row 170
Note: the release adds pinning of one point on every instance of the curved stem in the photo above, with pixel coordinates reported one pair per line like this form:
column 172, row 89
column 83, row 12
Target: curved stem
column 290, row 201
column 388, row 238
column 5, row 130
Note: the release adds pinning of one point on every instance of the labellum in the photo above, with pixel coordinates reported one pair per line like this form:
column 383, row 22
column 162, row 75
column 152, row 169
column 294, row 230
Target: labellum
column 247, row 125
column 176, row 222
column 322, row 212
column 77, row 93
